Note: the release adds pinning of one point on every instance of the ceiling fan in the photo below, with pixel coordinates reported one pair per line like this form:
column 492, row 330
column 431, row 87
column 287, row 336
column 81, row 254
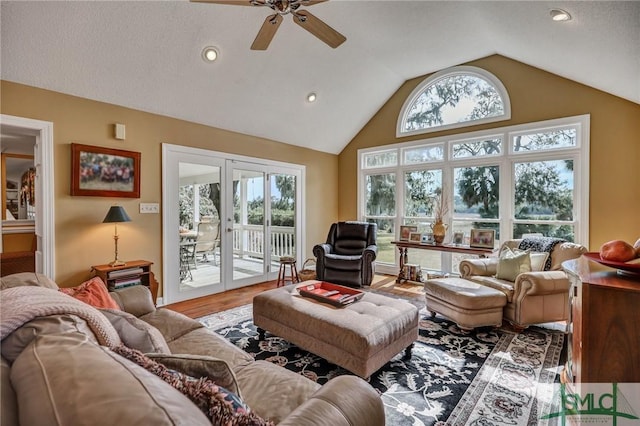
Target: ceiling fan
column 285, row 7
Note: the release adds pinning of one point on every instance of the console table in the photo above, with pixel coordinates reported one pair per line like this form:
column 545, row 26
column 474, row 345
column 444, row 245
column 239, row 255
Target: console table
column 404, row 246
column 602, row 330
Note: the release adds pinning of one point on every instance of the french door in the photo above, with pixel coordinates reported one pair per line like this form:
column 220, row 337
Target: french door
column 226, row 220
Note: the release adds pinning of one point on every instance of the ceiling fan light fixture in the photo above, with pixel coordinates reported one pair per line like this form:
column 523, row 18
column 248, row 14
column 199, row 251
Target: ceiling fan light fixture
column 312, row 97
column 560, row 15
column 210, row 54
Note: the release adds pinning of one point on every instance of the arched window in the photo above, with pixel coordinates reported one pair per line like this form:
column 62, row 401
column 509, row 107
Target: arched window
column 456, row 97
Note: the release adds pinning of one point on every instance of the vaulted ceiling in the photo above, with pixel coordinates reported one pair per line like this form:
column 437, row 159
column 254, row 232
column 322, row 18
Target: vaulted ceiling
column 147, row 55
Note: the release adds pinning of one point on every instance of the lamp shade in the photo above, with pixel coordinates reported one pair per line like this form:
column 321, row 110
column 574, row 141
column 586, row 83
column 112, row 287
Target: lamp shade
column 116, row 214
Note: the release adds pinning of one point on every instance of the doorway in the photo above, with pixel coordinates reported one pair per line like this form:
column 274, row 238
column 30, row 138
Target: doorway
column 26, row 137
column 235, row 216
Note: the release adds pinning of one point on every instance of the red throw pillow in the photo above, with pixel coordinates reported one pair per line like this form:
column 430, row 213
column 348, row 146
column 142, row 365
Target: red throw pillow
column 94, row 293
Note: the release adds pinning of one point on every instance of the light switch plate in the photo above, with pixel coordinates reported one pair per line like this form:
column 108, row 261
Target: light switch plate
column 153, row 208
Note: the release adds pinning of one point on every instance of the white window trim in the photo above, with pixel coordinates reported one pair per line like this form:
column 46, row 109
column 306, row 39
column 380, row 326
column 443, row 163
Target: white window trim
column 506, row 159
column 466, row 70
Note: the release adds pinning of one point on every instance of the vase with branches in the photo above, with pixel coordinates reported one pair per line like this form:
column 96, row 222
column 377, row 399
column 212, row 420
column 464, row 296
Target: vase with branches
column 440, row 209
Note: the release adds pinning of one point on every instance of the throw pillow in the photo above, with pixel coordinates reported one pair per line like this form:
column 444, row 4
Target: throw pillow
column 538, row 260
column 200, row 366
column 219, row 404
column 135, row 333
column 512, row 263
column 93, row 292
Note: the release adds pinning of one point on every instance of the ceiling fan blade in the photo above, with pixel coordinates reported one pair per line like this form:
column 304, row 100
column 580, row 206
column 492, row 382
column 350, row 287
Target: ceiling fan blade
column 318, row 28
column 267, row 31
column 311, row 2
column 233, row 2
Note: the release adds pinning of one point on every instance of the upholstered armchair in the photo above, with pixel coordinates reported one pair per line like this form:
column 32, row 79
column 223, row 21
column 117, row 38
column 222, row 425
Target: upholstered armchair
column 349, row 254
column 535, row 297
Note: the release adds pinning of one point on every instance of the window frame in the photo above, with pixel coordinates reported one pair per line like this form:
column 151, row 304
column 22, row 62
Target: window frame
column 459, row 70
column 506, row 161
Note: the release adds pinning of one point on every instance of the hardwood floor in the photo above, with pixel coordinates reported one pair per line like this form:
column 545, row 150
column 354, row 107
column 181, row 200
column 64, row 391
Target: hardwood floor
column 196, row 308
column 206, row 305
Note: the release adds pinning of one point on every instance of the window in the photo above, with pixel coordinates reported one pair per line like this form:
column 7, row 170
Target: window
column 530, row 178
column 457, row 97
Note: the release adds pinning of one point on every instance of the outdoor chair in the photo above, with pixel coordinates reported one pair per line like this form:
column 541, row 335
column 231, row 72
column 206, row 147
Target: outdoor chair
column 207, row 240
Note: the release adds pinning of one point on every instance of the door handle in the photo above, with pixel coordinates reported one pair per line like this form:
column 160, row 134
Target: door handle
column 229, row 229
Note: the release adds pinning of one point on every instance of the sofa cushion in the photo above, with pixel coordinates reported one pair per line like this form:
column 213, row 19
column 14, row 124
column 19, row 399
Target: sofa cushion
column 171, row 324
column 219, row 404
column 136, row 300
column 92, row 292
column 512, row 263
column 13, row 345
column 538, row 260
column 202, row 341
column 285, row 389
column 503, row 285
column 214, row 369
column 136, row 333
column 67, row 380
column 27, row 279
column 8, row 407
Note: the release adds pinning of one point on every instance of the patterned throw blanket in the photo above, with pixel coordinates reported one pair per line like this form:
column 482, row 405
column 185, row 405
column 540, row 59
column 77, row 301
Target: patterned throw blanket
column 23, row 304
column 541, row 244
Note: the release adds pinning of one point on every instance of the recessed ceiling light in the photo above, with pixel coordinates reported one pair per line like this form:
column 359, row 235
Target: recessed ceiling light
column 311, row 97
column 560, row 15
column 209, row 54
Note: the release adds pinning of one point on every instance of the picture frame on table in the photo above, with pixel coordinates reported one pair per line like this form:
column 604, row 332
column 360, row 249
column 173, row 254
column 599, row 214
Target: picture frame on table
column 415, row 237
column 482, row 238
column 406, row 230
column 458, row 238
column 427, row 238
column 104, row 172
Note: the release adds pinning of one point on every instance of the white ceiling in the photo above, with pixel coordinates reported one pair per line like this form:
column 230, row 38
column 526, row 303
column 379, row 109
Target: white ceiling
column 146, row 55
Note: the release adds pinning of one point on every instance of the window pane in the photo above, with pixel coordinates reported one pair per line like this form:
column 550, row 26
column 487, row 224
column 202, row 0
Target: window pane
column 562, row 231
column 381, row 195
column 381, row 159
column 454, row 99
column 420, row 188
column 423, row 154
column 476, row 192
column 386, row 233
column 545, row 140
column 544, row 190
column 480, row 148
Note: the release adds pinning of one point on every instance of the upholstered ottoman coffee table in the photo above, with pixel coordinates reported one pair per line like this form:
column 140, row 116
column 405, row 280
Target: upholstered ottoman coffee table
column 465, row 302
column 360, row 337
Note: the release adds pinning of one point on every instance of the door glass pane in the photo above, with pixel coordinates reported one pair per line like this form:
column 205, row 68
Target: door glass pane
column 283, row 215
column 199, row 206
column 248, row 223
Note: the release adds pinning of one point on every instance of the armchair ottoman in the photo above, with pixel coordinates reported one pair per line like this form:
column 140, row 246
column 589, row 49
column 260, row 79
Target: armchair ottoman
column 466, row 303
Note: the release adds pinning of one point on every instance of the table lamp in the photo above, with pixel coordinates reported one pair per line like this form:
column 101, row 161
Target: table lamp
column 115, row 215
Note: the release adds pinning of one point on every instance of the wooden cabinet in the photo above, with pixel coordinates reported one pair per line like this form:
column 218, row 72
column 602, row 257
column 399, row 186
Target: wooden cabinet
column 134, row 272
column 604, row 325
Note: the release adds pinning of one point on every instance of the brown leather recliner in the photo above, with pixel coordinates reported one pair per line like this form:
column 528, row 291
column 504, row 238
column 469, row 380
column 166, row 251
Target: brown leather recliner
column 349, row 254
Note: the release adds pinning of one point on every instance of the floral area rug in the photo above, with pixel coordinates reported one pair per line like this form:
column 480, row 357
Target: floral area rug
column 484, row 377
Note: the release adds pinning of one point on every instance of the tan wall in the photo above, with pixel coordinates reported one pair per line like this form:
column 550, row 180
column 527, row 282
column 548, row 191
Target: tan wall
column 81, row 239
column 538, row 95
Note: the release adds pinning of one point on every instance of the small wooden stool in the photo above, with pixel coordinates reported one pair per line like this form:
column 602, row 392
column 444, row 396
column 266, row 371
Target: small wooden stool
column 282, row 273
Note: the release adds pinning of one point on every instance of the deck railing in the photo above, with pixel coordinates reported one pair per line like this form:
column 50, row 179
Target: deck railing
column 248, row 240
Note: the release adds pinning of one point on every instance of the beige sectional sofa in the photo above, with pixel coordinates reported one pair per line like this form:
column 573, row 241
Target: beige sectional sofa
column 55, row 372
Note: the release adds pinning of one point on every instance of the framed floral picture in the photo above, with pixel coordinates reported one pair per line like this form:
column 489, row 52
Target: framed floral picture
column 406, row 230
column 104, row 172
column 482, row 238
